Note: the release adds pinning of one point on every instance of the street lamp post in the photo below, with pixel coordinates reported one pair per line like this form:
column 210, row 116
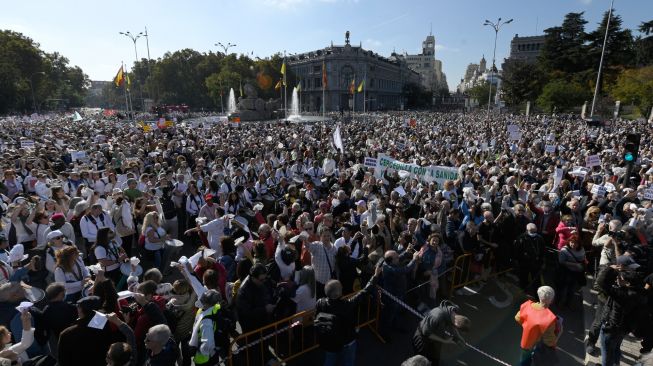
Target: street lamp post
column 598, row 76
column 224, row 47
column 31, row 85
column 134, row 38
column 496, row 27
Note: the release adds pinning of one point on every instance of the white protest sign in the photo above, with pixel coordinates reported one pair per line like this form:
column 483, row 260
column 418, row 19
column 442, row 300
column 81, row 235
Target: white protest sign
column 599, row 190
column 370, row 162
column 400, row 190
column 426, row 174
column 513, row 129
column 648, row 194
column 308, row 128
column 550, row 148
column 98, row 321
column 77, row 155
column 27, row 144
column 515, row 136
column 557, row 178
column 592, row 161
column 484, row 146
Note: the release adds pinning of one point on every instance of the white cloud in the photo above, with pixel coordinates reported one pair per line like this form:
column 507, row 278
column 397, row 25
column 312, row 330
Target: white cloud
column 441, row 47
column 586, row 2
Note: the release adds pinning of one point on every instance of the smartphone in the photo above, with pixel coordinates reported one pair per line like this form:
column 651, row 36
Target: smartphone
column 602, row 219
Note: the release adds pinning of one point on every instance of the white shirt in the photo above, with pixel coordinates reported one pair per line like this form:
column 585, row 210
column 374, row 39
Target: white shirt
column 73, row 281
column 161, row 233
column 42, row 190
column 304, row 299
column 89, row 228
column 215, row 232
column 202, row 336
column 194, row 204
column 340, row 242
column 50, row 260
column 112, row 255
column 316, row 175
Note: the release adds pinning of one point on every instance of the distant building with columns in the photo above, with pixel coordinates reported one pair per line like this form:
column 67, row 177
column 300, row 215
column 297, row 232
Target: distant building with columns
column 384, row 77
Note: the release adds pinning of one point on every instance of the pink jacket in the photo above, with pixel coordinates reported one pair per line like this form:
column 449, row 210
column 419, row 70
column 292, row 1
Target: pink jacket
column 564, row 234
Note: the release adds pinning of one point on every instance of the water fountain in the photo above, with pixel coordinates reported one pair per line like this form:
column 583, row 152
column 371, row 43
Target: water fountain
column 294, row 107
column 231, row 106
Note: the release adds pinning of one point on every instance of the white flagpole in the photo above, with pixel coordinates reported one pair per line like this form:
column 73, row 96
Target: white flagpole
column 353, row 97
column 323, row 90
column 285, row 86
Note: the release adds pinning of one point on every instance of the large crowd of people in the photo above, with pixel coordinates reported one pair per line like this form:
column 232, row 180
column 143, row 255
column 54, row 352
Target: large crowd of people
column 124, row 245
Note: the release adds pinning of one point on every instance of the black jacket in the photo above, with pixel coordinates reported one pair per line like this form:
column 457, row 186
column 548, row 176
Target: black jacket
column 529, row 250
column 345, row 312
column 81, row 345
column 250, row 305
column 622, row 303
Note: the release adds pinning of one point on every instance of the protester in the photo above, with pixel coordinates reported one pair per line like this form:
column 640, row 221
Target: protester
column 441, row 325
column 339, row 215
column 541, row 329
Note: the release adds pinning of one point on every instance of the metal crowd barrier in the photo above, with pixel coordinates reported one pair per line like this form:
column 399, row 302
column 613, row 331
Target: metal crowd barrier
column 294, row 336
column 462, row 276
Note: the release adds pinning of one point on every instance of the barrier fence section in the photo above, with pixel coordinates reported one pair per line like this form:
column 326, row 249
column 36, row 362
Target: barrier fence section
column 467, row 271
column 293, row 336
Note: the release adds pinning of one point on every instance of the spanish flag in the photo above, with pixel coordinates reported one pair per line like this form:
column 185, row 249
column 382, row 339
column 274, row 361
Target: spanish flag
column 361, row 86
column 352, row 86
column 283, row 68
column 278, row 85
column 120, row 77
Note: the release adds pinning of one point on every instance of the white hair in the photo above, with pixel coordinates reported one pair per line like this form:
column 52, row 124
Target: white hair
column 546, row 294
column 615, row 225
column 159, row 334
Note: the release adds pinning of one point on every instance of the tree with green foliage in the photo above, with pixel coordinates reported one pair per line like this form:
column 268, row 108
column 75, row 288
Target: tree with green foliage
column 481, row 93
column 563, row 95
column 644, row 45
column 635, row 86
column 521, row 82
column 29, row 75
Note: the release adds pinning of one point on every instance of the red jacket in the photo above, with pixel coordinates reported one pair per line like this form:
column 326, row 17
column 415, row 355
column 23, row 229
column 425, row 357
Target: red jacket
column 222, row 275
column 551, row 224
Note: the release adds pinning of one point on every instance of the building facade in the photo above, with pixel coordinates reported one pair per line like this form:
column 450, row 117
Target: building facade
column 526, row 48
column 384, row 78
column 427, row 66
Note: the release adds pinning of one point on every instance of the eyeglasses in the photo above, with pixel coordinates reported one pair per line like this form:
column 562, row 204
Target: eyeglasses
column 58, row 238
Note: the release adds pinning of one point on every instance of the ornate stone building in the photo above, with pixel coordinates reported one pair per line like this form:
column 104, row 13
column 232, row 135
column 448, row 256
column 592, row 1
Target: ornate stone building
column 384, row 78
column 427, row 66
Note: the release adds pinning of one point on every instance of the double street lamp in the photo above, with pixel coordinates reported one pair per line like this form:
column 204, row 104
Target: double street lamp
column 31, row 85
column 224, row 47
column 496, row 26
column 134, row 38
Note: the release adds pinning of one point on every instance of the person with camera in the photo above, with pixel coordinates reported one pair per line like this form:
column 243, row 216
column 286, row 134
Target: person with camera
column 395, row 281
column 142, row 310
column 619, row 283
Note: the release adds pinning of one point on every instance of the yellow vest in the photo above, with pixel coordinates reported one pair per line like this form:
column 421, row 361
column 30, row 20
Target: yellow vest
column 200, row 358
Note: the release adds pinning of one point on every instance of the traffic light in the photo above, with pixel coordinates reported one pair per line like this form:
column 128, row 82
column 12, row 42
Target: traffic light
column 631, row 148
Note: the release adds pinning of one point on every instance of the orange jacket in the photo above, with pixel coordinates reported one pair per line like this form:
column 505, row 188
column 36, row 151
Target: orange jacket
column 535, row 322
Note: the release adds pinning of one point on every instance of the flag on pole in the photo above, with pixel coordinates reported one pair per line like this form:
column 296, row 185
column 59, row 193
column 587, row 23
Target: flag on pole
column 120, row 77
column 352, row 86
column 337, row 140
column 129, row 82
column 324, row 76
column 361, row 86
column 283, row 67
column 278, row 85
column 240, row 83
column 583, row 110
column 528, row 108
column 299, row 86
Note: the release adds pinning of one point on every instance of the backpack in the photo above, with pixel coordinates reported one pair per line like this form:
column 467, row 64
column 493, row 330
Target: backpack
column 328, row 327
